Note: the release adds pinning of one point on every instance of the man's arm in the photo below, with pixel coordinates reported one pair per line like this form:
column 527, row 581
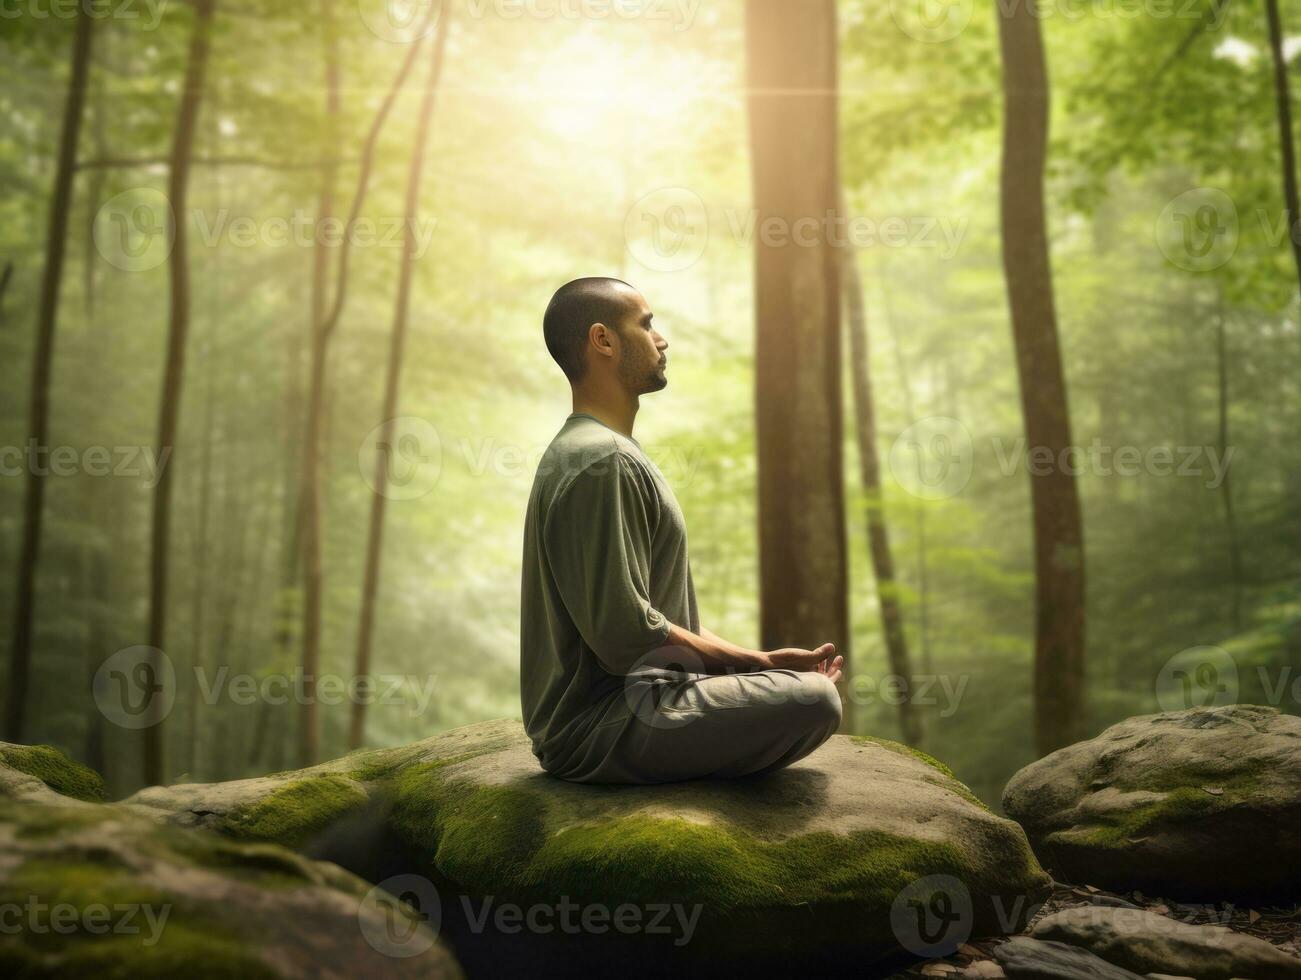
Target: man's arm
column 718, row 656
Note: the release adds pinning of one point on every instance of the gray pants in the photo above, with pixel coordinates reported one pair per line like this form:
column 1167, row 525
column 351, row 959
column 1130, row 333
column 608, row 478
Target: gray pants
column 680, row 726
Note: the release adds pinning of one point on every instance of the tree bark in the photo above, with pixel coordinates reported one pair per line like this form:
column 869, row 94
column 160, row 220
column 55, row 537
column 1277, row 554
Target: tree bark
column 791, row 65
column 878, row 536
column 191, row 99
column 393, row 381
column 1283, row 107
column 1058, row 537
column 313, row 573
column 324, row 322
column 38, row 423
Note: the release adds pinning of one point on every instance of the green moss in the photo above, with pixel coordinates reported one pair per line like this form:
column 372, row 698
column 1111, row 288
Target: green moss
column 55, row 770
column 296, row 811
column 493, row 840
column 1182, row 803
column 902, row 749
column 951, row 782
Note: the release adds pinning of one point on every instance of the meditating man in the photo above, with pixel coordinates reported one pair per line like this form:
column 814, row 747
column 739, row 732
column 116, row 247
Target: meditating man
column 619, row 681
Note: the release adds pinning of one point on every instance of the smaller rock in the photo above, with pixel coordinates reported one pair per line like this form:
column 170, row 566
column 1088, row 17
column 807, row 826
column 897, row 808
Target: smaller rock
column 1149, row 943
column 1023, row 958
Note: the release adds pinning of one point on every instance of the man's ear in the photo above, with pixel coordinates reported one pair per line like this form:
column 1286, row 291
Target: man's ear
column 598, row 336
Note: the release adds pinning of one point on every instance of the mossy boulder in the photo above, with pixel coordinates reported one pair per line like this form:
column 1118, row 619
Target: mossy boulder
column 1201, row 804
column 96, row 890
column 42, row 772
column 803, row 865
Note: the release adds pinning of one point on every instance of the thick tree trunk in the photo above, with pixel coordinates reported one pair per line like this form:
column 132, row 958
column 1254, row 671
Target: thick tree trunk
column 1283, row 107
column 38, row 422
column 878, row 536
column 791, row 56
column 174, row 370
column 1058, row 537
column 393, row 381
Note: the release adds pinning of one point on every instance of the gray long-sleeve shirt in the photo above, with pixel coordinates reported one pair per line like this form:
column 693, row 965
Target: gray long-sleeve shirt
column 605, row 572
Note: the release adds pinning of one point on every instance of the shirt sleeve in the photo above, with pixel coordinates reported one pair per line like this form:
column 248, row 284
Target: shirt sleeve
column 598, row 541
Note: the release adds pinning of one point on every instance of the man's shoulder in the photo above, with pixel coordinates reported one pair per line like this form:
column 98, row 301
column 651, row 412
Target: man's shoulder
column 586, row 450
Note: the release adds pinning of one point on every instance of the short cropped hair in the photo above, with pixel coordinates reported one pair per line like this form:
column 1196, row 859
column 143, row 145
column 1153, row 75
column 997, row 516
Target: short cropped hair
column 570, row 315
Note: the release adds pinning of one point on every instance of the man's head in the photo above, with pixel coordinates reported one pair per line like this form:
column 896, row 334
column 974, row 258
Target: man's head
column 600, row 329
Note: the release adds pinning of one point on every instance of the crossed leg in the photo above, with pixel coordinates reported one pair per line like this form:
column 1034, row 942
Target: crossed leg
column 690, row 726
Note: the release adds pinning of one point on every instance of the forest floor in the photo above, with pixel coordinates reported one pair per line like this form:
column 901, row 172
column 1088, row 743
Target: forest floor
column 1280, row 926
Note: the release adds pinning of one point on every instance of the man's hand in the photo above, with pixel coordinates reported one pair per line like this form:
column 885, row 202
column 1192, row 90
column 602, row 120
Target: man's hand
column 822, row 660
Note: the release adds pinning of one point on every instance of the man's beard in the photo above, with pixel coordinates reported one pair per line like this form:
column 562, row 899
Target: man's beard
column 642, row 381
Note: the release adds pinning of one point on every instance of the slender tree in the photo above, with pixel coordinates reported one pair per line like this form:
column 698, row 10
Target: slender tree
column 791, row 54
column 312, row 500
column 393, row 379
column 1058, row 535
column 869, row 463
column 1283, row 109
column 38, row 421
column 325, row 321
column 191, row 100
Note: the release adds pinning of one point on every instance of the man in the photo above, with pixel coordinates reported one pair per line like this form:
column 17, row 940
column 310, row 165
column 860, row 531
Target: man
column 608, row 602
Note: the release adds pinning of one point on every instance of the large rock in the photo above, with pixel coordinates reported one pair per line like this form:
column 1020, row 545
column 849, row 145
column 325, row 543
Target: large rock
column 92, row 889
column 806, row 863
column 1145, row 942
column 103, row 892
column 1175, row 804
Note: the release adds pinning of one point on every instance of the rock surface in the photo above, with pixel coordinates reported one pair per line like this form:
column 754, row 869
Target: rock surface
column 808, row 859
column 96, row 890
column 1023, row 958
column 1198, row 804
column 1145, row 942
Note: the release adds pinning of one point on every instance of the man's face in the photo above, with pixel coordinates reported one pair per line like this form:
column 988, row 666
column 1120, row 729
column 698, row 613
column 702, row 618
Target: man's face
column 642, row 361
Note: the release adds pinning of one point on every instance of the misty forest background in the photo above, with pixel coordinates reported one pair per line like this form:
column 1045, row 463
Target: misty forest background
column 550, row 145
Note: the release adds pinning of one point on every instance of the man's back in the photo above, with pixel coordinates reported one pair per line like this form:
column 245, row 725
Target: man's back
column 605, row 572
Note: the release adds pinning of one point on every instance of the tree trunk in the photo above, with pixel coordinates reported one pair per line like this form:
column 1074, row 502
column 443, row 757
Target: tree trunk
column 878, row 537
column 324, row 323
column 20, row 654
column 1283, row 106
column 1226, row 487
column 791, row 56
column 313, row 573
column 393, row 381
column 1058, row 538
column 174, row 371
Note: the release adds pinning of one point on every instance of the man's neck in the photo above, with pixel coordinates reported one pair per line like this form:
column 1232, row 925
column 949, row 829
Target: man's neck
column 618, row 411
